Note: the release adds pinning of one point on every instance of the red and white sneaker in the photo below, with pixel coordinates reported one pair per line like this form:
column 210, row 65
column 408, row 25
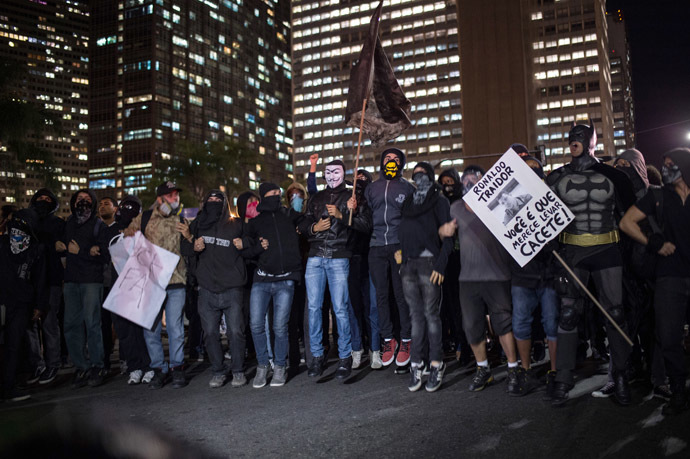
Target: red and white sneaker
column 404, row 353
column 388, row 354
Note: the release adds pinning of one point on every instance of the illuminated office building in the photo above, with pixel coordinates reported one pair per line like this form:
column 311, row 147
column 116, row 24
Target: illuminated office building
column 621, row 84
column 420, row 38
column 201, row 70
column 50, row 38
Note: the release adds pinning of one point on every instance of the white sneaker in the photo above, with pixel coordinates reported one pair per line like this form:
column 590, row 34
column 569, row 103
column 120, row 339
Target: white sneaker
column 148, row 376
column 135, row 377
column 356, row 359
column 376, row 362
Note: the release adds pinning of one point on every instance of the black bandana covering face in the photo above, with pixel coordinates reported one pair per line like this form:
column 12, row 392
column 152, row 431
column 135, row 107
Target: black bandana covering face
column 19, row 241
column 423, row 184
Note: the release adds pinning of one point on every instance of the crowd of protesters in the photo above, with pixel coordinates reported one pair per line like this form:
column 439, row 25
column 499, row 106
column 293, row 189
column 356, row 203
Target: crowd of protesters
column 395, row 271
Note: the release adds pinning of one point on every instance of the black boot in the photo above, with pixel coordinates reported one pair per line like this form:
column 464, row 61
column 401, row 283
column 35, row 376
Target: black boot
column 622, row 390
column 560, row 393
column 316, row 368
column 678, row 402
column 179, row 380
column 344, row 369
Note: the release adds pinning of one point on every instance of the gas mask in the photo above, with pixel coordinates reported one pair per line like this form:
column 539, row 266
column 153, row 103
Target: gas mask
column 167, row 208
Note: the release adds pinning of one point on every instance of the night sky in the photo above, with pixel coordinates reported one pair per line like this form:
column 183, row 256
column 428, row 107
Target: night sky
column 659, row 39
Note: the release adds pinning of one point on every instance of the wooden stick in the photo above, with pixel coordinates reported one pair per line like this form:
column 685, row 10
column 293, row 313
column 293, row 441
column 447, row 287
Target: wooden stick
column 591, row 297
column 359, row 144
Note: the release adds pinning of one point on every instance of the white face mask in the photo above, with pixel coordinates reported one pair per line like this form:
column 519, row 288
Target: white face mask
column 334, row 176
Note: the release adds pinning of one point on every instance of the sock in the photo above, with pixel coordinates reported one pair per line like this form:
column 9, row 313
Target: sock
column 512, row 364
column 406, row 340
column 483, row 363
column 386, row 340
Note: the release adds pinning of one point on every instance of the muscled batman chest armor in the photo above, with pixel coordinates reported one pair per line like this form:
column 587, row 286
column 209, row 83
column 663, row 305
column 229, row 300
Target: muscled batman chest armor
column 591, row 198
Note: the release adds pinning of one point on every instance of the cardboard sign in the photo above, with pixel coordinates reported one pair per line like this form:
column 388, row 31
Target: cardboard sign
column 518, row 208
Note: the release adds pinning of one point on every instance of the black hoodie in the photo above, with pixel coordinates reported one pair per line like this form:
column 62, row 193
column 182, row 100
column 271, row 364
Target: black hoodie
column 219, row 266
column 49, row 229
column 456, row 189
column 82, row 267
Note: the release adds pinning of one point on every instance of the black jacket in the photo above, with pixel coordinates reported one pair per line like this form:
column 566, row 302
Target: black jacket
column 49, row 230
column 219, row 266
column 334, row 242
column 282, row 260
column 418, row 229
column 82, row 267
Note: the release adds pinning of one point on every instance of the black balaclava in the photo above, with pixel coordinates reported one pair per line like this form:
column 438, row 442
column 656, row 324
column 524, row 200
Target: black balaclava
column 451, row 192
column 268, row 203
column 392, row 170
column 587, row 136
column 211, row 212
column 423, row 181
column 44, row 208
column 681, row 166
column 129, row 207
column 539, row 171
column 362, row 184
column 636, row 172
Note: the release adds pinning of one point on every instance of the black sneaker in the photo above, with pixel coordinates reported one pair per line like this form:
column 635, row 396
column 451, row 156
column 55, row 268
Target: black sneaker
column 560, row 393
column 550, row 383
column 663, row 392
column 481, row 379
column 316, row 368
column 179, row 380
column 513, row 381
column 17, row 395
column 415, row 377
column 677, row 404
column 36, row 375
column 159, row 379
column 48, row 376
column 526, row 383
column 344, row 369
column 435, row 378
column 97, row 376
column 81, row 378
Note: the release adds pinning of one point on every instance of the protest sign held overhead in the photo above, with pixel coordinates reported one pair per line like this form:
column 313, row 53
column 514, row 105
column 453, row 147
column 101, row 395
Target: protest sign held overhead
column 372, row 80
column 518, row 208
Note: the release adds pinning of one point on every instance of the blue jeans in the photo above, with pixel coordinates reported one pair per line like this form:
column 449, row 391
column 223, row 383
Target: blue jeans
column 174, row 308
column 262, row 292
column 83, row 315
column 212, row 306
column 525, row 301
column 335, row 271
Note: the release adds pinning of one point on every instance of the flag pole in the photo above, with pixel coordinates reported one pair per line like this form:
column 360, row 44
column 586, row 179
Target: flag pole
column 359, row 144
column 591, row 297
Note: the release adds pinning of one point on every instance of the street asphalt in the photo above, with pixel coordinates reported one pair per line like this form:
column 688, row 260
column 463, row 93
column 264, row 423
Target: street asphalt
column 372, row 414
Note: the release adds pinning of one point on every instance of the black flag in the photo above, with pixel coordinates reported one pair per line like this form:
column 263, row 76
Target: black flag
column 388, row 110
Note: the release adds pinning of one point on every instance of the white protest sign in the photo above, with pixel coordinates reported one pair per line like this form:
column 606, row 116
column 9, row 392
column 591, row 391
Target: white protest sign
column 139, row 291
column 517, row 207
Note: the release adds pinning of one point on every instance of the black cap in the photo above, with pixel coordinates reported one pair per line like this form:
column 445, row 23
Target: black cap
column 167, row 187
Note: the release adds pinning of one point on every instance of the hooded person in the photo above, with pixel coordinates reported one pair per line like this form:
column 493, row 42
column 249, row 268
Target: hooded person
column 46, row 359
column 296, row 196
column 221, row 275
column 163, row 226
column 671, row 243
column 85, row 245
column 633, row 164
column 385, row 198
column 424, row 258
column 326, row 224
column 246, row 205
column 450, row 183
column 24, row 290
column 597, row 194
column 470, row 176
column 271, row 238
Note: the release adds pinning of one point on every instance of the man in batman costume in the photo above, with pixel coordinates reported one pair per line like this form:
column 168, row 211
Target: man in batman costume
column 597, row 194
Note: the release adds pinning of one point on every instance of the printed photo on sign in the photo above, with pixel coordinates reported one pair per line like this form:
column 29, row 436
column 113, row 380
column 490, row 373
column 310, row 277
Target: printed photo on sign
column 517, row 207
column 510, row 201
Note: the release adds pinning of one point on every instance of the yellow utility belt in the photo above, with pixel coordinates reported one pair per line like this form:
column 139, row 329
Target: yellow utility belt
column 589, row 240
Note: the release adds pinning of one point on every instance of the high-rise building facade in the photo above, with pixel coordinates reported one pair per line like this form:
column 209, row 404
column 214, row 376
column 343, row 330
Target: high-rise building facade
column 50, row 40
column 572, row 77
column 201, row 70
column 421, row 42
column 621, row 83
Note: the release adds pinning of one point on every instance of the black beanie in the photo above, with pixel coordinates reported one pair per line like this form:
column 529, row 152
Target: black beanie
column 266, row 187
column 520, row 149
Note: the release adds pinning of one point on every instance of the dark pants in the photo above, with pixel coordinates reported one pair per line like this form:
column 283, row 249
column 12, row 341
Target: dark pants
column 424, row 299
column 194, row 333
column 211, row 307
column 671, row 303
column 451, row 313
column 296, row 324
column 132, row 345
column 16, row 323
column 384, row 269
column 106, row 331
column 48, row 328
